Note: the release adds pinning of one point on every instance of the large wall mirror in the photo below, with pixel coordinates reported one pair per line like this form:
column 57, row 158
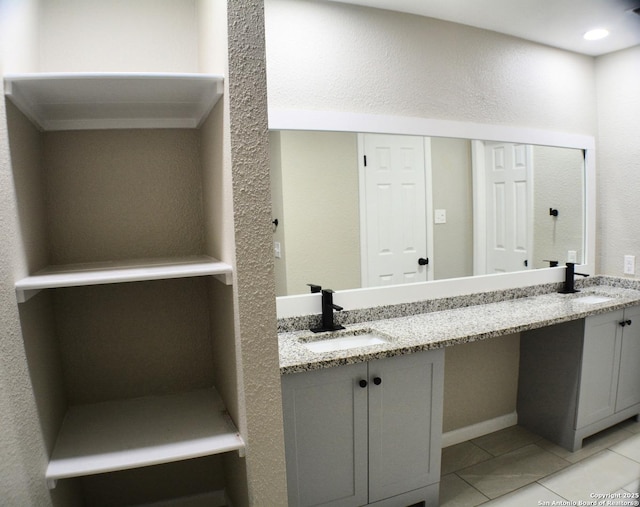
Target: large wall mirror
column 367, row 202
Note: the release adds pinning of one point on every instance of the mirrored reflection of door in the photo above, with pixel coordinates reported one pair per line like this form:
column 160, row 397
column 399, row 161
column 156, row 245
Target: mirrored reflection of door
column 394, row 224
column 508, row 173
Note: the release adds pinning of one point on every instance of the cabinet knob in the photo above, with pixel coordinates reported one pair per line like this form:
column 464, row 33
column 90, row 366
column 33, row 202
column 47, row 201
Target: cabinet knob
column 377, row 381
column 363, row 383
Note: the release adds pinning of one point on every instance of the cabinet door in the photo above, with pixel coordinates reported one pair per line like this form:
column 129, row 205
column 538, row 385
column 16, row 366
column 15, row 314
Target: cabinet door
column 325, row 424
column 405, row 423
column 600, row 366
column 629, row 379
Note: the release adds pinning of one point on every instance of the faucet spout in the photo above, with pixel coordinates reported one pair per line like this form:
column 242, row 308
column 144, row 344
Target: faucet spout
column 328, row 306
column 569, row 279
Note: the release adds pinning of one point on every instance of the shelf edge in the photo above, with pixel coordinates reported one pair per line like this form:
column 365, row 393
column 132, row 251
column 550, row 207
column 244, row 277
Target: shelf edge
column 30, row 101
column 50, row 279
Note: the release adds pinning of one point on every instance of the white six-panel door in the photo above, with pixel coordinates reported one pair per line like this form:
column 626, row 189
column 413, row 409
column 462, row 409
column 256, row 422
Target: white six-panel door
column 394, row 219
column 509, row 199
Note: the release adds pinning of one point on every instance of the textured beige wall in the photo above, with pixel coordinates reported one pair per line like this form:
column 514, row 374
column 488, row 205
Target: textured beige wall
column 254, row 287
column 330, row 56
column 321, row 216
column 21, row 442
column 618, row 180
column 135, row 339
column 480, row 381
column 558, row 182
column 277, row 211
column 142, row 187
column 452, row 191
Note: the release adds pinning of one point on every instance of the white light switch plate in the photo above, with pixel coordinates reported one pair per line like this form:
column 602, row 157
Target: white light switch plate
column 440, row 216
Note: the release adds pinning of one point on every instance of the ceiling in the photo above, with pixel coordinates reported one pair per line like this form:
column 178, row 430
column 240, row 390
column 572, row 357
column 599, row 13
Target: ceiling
column 557, row 23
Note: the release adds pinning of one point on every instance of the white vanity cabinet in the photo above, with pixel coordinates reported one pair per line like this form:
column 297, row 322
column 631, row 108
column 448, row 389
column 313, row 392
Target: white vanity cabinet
column 580, row 377
column 365, row 434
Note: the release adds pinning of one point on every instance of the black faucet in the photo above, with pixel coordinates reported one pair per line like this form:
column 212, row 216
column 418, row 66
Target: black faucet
column 569, row 278
column 327, row 313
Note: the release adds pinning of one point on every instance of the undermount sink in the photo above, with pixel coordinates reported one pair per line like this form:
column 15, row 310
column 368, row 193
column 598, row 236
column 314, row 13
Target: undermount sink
column 592, row 299
column 345, row 340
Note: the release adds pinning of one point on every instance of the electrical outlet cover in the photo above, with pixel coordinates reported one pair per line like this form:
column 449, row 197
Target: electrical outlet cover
column 629, row 264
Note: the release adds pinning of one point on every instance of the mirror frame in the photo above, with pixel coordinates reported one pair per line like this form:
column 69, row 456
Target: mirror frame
column 307, row 304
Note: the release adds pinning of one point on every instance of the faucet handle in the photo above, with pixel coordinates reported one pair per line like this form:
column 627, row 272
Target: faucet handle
column 571, row 270
column 314, row 288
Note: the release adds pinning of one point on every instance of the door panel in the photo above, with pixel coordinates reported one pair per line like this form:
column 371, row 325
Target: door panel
column 325, row 420
column 508, row 169
column 629, row 380
column 405, row 423
column 395, row 209
column 600, row 366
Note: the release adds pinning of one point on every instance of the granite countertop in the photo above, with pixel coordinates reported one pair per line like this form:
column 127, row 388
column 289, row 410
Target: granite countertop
column 444, row 328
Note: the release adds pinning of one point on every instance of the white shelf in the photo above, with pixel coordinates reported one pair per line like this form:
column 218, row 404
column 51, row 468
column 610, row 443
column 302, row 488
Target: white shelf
column 118, row 435
column 74, row 101
column 75, row 275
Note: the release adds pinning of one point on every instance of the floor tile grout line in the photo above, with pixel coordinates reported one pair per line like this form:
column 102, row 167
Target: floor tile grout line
column 520, row 446
column 536, row 442
column 474, row 488
column 456, row 472
column 623, row 455
column 550, row 490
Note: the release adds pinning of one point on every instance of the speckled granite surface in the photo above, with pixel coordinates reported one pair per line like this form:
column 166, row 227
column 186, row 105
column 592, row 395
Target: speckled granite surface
column 448, row 321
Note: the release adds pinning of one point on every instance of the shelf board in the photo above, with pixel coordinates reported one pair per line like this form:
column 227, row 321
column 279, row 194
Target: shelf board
column 78, row 101
column 75, row 275
column 119, row 435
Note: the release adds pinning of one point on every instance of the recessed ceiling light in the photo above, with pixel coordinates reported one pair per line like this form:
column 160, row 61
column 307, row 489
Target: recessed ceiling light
column 598, row 33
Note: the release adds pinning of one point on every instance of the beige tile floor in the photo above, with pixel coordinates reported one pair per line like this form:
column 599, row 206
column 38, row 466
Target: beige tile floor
column 514, row 467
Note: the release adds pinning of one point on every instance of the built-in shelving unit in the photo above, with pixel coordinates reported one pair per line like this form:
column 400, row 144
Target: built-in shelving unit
column 98, row 273
column 106, row 436
column 117, row 435
column 73, row 101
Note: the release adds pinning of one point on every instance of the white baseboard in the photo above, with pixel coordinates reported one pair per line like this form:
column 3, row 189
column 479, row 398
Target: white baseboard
column 479, row 429
column 210, row 499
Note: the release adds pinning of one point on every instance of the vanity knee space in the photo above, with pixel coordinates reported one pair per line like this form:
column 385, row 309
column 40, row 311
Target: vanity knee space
column 580, row 377
column 366, row 433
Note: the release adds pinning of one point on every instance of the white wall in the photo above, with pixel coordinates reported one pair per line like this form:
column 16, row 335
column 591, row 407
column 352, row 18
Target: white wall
column 19, row 35
column 119, row 36
column 331, row 56
column 618, row 198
